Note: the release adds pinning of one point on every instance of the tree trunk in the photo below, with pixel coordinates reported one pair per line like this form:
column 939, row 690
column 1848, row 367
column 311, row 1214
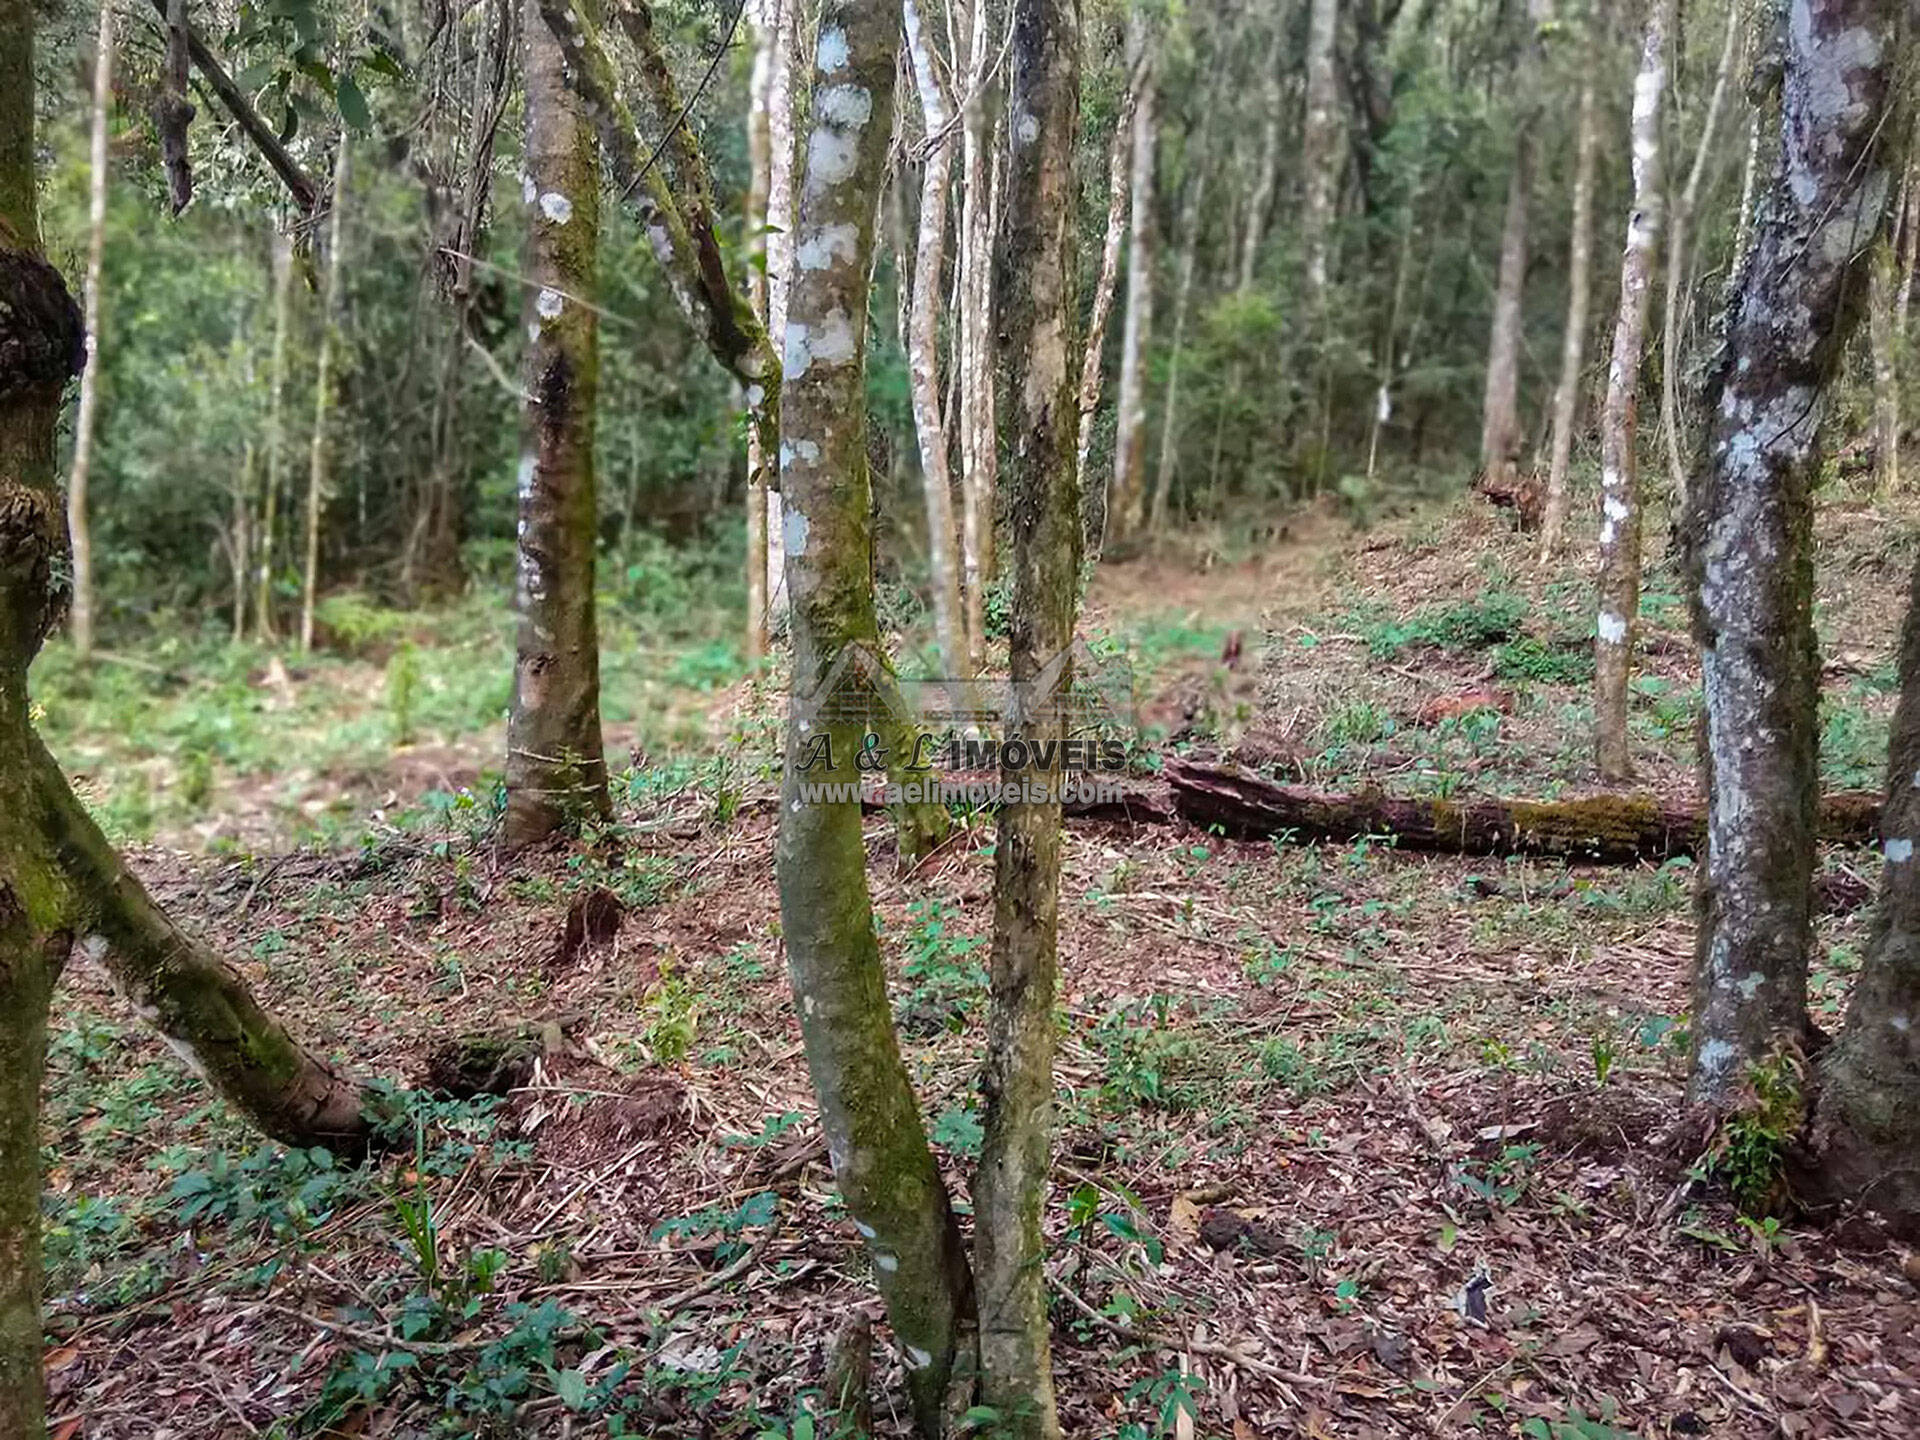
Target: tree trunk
column 1119, row 169
column 1677, row 266
column 868, row 1111
column 923, row 347
column 1182, row 298
column 1750, row 539
column 1009, row 1192
column 241, row 541
column 79, row 531
column 1619, row 463
column 1886, row 372
column 1866, row 1122
column 767, row 33
column 1260, row 201
column 1607, row 828
column 780, row 209
column 1130, row 436
column 58, row 877
column 1320, row 152
column 556, row 762
column 1573, row 344
column 1500, row 408
column 979, row 428
column 276, row 437
column 319, row 454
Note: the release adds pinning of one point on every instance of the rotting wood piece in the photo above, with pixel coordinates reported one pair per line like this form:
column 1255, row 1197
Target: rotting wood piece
column 1605, row 827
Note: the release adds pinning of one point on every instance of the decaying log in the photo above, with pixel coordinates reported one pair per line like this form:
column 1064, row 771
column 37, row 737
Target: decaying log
column 1606, row 827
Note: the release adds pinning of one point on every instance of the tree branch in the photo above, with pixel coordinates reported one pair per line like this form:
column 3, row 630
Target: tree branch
column 305, row 193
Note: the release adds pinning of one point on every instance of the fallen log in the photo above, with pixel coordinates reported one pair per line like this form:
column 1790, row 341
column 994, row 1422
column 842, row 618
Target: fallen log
column 1607, row 827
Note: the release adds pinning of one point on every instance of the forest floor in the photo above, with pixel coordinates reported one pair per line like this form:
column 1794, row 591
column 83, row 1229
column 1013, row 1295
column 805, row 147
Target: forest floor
column 1352, row 1142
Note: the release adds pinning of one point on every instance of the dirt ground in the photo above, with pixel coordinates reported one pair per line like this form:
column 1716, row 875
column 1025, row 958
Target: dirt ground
column 1352, row 1142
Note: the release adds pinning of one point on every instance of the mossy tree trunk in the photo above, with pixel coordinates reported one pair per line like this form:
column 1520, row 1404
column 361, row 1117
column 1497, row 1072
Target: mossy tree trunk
column 556, row 762
column 1750, row 537
column 868, row 1111
column 60, row 882
column 1038, row 307
column 1866, row 1124
column 42, row 346
column 974, row 343
column 1119, row 173
column 1619, row 578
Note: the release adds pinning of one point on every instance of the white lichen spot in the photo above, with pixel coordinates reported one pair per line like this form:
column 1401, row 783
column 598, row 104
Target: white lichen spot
column 95, row 948
column 1612, row 628
column 1028, row 129
column 835, row 341
column 826, row 244
column 549, row 304
column 1900, row 1023
column 867, row 1231
column 797, row 355
column 886, row 1262
column 527, row 467
column 1750, row 984
column 1614, row 508
column 917, row 1358
column 755, row 395
column 1607, row 531
column 1899, row 851
column 832, row 52
column 529, row 191
column 849, row 106
column 1715, row 1057
column 556, row 207
column 533, row 331
column 793, row 531
column 831, row 158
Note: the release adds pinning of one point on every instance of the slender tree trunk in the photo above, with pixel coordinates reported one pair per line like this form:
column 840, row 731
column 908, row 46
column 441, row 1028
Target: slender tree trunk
column 242, row 541
column 1009, row 1192
column 276, row 437
column 1619, row 462
column 1677, row 266
column 923, row 347
column 556, row 762
column 319, row 454
column 1573, row 344
column 1260, row 200
column 1866, row 1122
column 1130, row 436
column 1743, row 219
column 1750, row 537
column 767, row 32
column 1383, row 394
column 1320, row 157
column 79, row 530
column 979, row 428
column 780, row 213
column 868, row 1111
column 1500, row 409
column 1119, row 171
column 1182, row 296
column 1886, row 371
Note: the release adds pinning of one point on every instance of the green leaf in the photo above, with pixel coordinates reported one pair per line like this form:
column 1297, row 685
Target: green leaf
column 353, row 104
column 571, row 1386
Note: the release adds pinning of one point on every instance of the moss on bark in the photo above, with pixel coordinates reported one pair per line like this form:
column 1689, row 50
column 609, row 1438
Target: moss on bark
column 556, row 763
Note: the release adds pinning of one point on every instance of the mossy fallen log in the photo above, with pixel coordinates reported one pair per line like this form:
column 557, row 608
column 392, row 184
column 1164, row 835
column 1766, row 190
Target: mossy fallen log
column 1611, row 828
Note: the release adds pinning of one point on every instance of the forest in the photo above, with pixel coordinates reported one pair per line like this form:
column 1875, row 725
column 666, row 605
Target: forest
column 782, row 719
